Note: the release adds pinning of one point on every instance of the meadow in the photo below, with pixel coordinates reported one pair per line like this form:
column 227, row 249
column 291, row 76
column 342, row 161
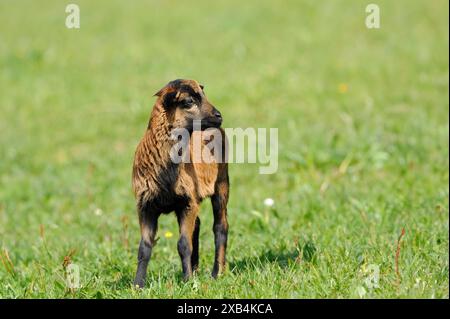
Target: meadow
column 363, row 120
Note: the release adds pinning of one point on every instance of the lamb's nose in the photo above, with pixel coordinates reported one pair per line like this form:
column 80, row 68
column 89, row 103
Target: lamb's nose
column 218, row 114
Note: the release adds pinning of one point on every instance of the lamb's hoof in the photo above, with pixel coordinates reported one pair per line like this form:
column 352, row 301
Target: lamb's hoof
column 139, row 284
column 217, row 271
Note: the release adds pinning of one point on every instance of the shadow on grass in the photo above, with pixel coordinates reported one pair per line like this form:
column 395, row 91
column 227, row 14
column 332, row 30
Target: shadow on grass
column 283, row 259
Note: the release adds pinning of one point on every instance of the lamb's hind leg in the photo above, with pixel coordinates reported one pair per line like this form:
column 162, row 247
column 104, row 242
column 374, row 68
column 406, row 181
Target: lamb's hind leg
column 195, row 245
column 186, row 220
column 149, row 225
column 219, row 202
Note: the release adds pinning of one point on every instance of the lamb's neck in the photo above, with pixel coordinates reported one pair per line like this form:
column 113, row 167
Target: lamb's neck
column 159, row 135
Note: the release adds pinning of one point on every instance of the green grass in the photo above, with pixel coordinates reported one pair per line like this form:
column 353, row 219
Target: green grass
column 355, row 166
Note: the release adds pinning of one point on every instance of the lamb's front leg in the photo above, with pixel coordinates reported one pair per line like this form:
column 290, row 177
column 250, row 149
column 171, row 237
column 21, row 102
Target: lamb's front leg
column 220, row 228
column 186, row 221
column 149, row 225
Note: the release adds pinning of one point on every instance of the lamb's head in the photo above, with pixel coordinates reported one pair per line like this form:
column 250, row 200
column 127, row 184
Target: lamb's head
column 184, row 101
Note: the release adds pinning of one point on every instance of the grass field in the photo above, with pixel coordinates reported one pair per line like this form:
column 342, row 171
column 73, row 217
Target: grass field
column 363, row 146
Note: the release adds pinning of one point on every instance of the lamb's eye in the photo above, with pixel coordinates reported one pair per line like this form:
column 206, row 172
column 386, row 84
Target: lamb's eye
column 188, row 102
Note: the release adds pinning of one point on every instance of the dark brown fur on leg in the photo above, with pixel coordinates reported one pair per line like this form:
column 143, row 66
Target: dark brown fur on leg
column 149, row 226
column 186, row 220
column 219, row 202
column 195, row 245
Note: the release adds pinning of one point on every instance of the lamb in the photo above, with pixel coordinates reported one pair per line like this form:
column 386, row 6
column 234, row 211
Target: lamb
column 161, row 185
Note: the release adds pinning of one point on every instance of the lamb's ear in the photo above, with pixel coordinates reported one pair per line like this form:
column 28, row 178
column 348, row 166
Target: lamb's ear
column 170, row 93
column 159, row 93
column 164, row 89
column 169, row 98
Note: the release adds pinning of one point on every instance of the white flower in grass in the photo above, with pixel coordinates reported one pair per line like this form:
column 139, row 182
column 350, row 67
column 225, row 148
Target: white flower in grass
column 98, row 212
column 361, row 291
column 269, row 202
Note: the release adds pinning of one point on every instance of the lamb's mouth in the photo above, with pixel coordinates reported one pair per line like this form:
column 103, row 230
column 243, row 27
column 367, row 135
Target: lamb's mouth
column 212, row 122
column 204, row 124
